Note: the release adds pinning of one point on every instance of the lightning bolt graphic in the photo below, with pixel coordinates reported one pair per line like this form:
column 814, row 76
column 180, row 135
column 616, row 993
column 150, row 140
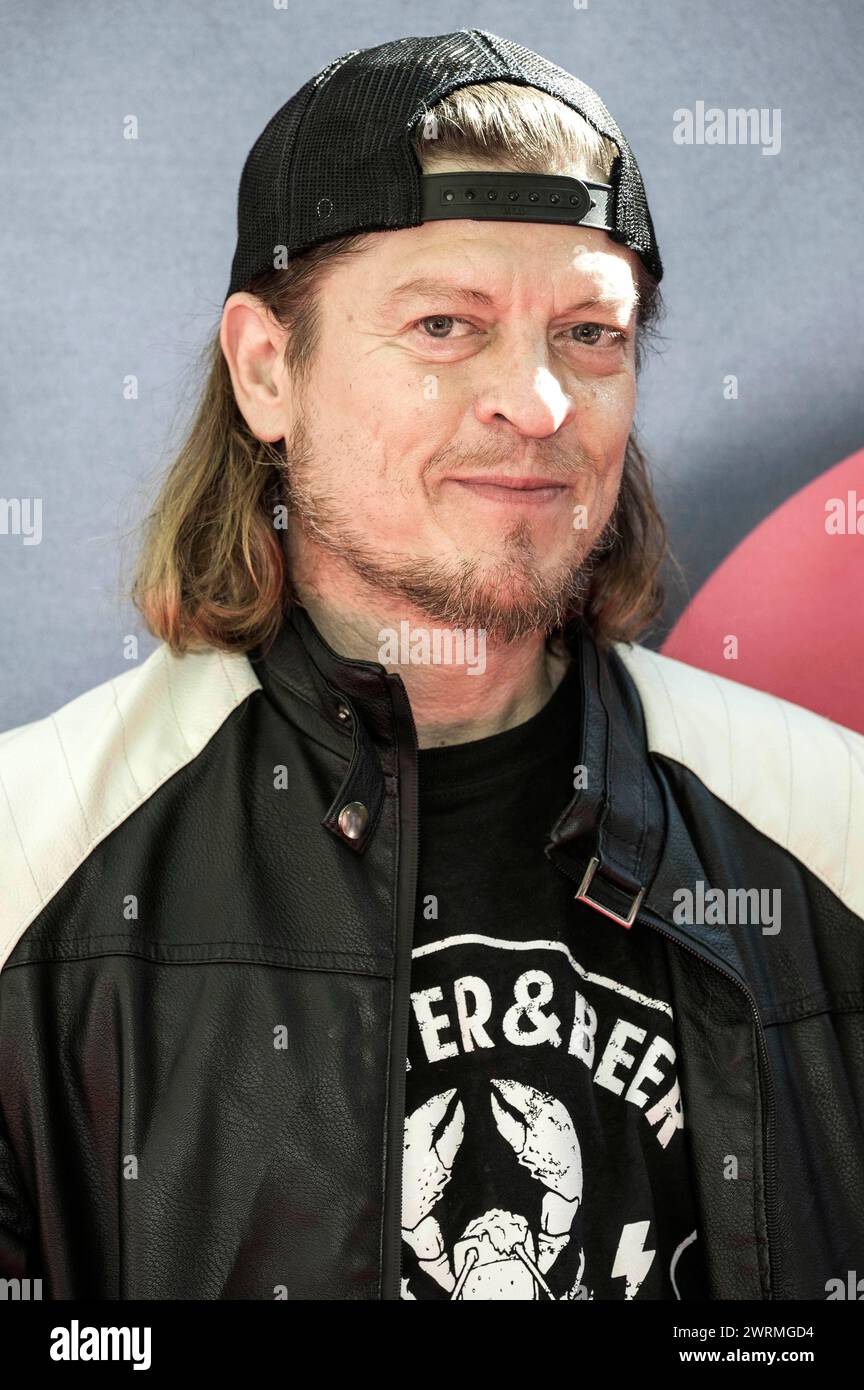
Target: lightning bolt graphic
column 632, row 1260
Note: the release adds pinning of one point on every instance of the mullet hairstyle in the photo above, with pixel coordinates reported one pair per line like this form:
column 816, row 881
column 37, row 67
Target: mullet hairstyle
column 212, row 570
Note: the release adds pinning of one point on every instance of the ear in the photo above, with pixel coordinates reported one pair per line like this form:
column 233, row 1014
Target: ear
column 253, row 344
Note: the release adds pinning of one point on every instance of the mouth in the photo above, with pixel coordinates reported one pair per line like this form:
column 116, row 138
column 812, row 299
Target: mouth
column 515, row 491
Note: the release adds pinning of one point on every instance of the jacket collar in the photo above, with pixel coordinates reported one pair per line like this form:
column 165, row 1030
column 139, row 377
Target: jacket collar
column 616, row 813
column 621, row 839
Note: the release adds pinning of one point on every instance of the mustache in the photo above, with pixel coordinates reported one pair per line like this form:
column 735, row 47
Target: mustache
column 559, row 464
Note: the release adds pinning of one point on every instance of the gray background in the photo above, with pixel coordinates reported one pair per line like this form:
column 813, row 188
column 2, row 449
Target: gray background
column 116, row 257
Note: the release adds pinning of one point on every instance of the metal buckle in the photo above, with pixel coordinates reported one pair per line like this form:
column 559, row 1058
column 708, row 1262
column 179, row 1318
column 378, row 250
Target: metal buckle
column 582, row 897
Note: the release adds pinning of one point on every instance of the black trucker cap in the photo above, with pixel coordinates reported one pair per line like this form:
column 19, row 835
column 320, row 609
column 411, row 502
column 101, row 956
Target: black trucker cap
column 337, row 158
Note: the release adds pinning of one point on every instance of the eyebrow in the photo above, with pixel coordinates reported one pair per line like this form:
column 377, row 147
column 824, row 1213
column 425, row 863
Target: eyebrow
column 441, row 289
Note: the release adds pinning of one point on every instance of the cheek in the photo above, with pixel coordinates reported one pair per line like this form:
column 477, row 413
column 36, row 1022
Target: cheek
column 607, row 419
column 386, row 395
column 373, row 435
column 401, row 423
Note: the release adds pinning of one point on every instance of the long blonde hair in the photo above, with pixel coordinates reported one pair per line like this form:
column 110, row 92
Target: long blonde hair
column 211, row 568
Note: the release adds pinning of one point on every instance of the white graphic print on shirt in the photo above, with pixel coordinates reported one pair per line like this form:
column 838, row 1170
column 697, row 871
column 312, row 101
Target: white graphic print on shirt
column 543, row 1130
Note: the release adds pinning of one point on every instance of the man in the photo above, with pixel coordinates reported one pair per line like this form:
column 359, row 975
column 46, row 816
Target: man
column 401, row 928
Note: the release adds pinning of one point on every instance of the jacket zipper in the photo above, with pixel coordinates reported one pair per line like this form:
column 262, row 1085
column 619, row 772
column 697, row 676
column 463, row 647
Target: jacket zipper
column 406, row 876
column 768, row 1133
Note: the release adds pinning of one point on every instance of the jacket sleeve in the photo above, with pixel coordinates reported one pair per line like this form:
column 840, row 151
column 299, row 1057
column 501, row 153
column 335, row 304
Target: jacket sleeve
column 16, row 1216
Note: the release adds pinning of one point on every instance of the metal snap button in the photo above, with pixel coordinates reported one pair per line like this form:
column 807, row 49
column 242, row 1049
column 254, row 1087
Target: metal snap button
column 343, row 713
column 353, row 820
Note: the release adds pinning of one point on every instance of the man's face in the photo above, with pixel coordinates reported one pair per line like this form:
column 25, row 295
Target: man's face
column 455, row 360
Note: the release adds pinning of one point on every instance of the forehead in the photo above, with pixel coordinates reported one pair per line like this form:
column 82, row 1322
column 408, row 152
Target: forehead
column 502, row 260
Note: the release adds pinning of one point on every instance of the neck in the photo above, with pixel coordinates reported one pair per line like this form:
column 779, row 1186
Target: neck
column 459, row 690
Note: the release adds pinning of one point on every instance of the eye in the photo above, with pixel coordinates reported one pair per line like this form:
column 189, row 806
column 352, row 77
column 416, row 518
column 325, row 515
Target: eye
column 441, row 325
column 615, row 336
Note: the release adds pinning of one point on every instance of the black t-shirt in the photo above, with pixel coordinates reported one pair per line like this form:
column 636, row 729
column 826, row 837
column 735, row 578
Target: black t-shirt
column 545, row 1148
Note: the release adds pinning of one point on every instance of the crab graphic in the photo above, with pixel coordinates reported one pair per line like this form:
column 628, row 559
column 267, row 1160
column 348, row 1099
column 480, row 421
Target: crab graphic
column 496, row 1255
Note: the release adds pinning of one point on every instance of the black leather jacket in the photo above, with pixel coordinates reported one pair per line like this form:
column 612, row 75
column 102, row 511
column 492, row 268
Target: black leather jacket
column 204, row 1004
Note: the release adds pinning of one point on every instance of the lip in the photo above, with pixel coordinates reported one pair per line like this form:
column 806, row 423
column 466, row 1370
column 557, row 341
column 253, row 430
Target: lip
column 512, row 490
column 528, row 482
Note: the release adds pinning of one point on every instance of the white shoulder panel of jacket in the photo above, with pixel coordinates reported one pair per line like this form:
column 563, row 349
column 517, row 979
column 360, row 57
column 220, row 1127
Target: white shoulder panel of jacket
column 796, row 776
column 66, row 781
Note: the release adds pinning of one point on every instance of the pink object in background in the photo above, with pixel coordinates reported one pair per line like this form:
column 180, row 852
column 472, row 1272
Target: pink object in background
column 793, row 595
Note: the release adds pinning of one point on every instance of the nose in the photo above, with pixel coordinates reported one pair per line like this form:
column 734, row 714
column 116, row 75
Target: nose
column 521, row 387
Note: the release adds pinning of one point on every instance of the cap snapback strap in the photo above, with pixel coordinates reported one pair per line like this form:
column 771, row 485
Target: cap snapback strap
column 526, row 197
